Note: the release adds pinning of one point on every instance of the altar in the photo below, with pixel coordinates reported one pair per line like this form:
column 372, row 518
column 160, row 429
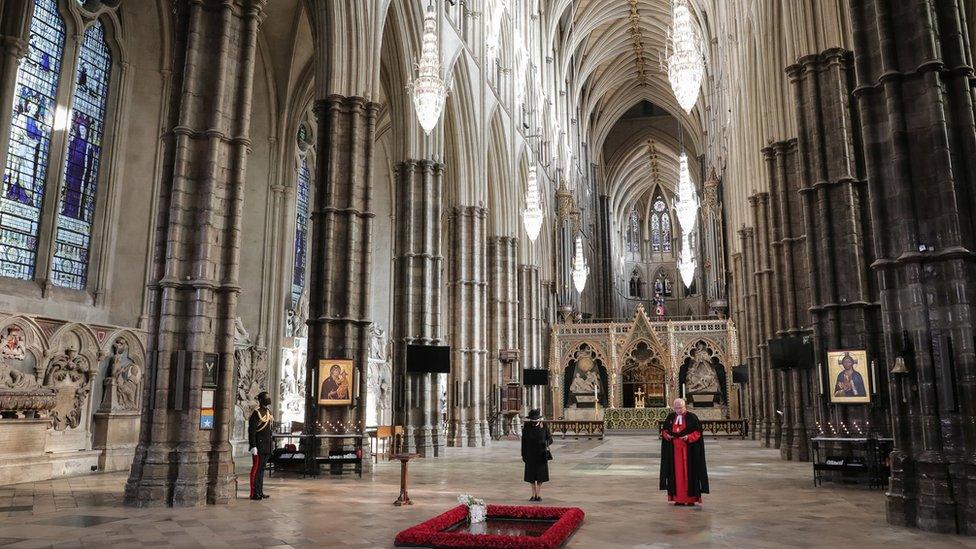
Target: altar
column 627, row 373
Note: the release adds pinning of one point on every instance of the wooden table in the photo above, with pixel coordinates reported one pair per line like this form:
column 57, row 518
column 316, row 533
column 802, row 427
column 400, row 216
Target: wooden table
column 404, row 499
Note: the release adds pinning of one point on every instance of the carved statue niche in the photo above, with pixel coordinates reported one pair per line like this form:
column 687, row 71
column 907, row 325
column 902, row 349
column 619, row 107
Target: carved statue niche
column 586, row 380
column 70, row 374
column 123, row 384
column 703, row 374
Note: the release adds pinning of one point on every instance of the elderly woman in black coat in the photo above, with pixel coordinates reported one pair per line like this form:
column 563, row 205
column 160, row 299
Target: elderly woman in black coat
column 535, row 452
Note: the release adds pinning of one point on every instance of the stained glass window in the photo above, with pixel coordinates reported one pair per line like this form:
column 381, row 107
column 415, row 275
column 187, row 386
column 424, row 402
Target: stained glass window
column 30, row 140
column 655, row 233
column 662, row 284
column 660, row 226
column 633, row 233
column 666, row 232
column 301, row 233
column 76, row 207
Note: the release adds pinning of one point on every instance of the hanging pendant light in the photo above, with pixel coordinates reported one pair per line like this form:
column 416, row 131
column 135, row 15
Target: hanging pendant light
column 686, row 262
column 686, row 62
column 686, row 202
column 428, row 88
column 533, row 215
column 580, row 270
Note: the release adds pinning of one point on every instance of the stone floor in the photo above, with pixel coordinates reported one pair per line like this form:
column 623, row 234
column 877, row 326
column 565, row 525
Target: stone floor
column 756, row 501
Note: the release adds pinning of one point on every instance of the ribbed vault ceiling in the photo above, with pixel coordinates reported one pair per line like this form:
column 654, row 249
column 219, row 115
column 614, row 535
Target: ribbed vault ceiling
column 594, row 41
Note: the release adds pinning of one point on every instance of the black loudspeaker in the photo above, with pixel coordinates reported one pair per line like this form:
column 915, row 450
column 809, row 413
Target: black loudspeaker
column 428, row 359
column 740, row 374
column 791, row 352
column 535, row 377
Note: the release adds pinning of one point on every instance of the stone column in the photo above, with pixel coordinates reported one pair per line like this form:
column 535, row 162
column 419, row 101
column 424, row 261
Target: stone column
column 738, row 316
column 844, row 296
column 915, row 104
column 765, row 307
column 339, row 251
column 607, row 261
column 503, row 317
column 530, row 331
column 195, row 284
column 792, row 273
column 469, row 313
column 417, row 299
column 757, row 375
column 775, row 320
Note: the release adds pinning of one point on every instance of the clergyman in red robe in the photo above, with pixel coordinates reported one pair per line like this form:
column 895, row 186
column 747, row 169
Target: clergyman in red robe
column 683, row 472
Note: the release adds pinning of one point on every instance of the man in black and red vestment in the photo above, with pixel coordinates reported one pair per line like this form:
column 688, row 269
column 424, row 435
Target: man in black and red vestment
column 683, row 472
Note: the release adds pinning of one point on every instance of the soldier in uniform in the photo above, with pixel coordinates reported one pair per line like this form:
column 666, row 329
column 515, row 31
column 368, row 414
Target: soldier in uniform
column 259, row 441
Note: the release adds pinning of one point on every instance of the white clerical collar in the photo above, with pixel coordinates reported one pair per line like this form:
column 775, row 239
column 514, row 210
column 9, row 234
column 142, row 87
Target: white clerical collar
column 680, row 420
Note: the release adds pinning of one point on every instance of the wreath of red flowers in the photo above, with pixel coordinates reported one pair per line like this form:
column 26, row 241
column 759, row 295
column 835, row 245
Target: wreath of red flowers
column 431, row 533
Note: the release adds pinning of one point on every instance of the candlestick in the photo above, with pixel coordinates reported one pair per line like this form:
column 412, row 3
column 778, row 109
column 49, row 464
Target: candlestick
column 820, row 376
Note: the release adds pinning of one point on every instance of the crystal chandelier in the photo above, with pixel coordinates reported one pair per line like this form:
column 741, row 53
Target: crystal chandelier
column 533, row 215
column 580, row 270
column 686, row 63
column 686, row 261
column 686, row 202
column 428, row 88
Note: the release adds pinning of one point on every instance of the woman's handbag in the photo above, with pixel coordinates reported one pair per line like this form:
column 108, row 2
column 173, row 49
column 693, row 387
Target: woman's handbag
column 548, row 454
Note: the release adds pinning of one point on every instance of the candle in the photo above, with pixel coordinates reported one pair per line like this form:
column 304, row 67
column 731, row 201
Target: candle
column 874, row 377
column 820, row 377
column 682, row 391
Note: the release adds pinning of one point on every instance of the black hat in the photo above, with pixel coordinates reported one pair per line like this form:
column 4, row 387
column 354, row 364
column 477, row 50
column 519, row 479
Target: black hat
column 535, row 415
column 263, row 397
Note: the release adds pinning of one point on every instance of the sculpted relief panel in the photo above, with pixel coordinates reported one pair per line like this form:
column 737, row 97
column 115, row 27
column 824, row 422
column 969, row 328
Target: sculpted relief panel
column 49, row 368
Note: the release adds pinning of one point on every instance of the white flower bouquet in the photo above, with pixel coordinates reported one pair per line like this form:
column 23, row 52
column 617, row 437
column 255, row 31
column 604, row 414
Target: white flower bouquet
column 477, row 510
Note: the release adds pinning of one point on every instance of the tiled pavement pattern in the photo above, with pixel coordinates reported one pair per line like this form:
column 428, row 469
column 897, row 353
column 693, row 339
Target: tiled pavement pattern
column 757, row 501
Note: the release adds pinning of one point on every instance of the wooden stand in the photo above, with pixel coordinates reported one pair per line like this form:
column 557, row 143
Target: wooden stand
column 404, row 499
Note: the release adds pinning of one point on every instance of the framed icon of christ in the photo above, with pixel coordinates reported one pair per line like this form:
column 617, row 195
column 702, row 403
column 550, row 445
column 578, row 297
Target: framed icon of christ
column 847, row 373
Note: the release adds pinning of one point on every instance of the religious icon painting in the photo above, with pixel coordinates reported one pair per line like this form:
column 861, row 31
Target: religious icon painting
column 848, row 376
column 335, row 382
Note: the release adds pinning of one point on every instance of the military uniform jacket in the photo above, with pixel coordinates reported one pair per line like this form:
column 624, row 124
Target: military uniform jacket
column 259, row 430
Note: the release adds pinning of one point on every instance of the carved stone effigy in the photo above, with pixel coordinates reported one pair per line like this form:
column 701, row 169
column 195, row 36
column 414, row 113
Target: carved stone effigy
column 642, row 362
